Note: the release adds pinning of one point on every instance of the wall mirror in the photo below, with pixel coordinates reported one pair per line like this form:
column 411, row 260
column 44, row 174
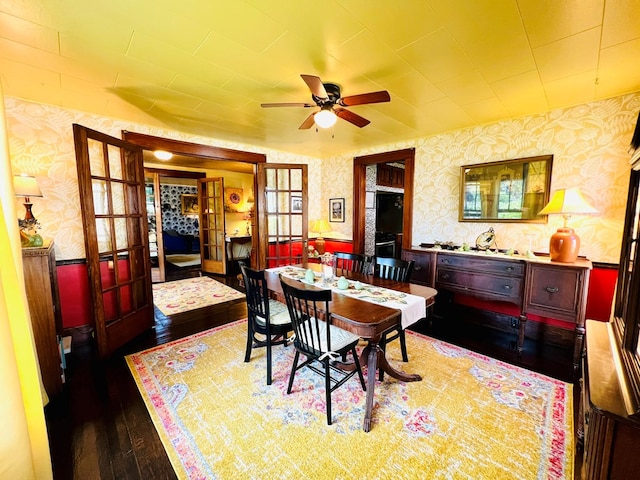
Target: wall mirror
column 505, row 191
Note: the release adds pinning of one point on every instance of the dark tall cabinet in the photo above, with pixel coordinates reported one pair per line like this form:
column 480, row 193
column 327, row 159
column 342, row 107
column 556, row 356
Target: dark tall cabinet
column 611, row 383
column 41, row 285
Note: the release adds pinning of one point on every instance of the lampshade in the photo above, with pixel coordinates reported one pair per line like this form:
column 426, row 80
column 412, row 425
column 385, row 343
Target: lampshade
column 26, row 186
column 564, row 244
column 569, row 202
column 320, row 226
column 325, row 118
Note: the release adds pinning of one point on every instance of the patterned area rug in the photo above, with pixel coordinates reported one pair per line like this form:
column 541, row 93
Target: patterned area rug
column 471, row 417
column 183, row 260
column 190, row 294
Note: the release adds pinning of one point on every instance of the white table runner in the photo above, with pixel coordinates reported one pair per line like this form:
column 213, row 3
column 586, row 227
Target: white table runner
column 413, row 307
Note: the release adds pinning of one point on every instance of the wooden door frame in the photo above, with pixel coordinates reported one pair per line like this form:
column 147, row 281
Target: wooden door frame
column 209, row 153
column 359, row 193
column 161, row 172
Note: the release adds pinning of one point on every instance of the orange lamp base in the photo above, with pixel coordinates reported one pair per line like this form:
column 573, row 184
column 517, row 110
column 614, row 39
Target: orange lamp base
column 320, row 245
column 564, row 245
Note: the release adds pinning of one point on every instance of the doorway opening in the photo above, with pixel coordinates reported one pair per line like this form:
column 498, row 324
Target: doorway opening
column 364, row 213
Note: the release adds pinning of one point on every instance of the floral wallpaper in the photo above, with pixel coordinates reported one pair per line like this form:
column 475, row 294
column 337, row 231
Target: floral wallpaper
column 589, row 143
column 41, row 144
column 172, row 217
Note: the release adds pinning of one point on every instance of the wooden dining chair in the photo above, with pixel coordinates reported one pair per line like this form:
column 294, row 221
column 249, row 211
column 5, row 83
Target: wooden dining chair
column 265, row 316
column 324, row 345
column 353, row 262
column 399, row 270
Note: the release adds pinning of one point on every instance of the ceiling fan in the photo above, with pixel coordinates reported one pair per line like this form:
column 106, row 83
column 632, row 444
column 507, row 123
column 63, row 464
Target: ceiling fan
column 327, row 97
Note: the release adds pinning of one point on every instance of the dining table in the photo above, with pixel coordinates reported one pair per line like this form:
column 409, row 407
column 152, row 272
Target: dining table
column 369, row 319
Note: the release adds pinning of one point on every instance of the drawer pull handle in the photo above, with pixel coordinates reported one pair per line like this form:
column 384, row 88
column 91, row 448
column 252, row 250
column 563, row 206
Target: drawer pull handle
column 417, row 267
column 508, row 287
column 446, row 260
column 552, row 289
column 445, row 276
column 509, row 269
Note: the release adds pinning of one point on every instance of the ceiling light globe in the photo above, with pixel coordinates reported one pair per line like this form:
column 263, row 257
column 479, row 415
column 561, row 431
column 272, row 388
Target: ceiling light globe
column 162, row 155
column 325, row 118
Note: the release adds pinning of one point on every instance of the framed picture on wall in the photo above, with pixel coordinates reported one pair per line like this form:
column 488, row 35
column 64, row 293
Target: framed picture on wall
column 189, row 204
column 232, row 199
column 336, row 209
column 296, row 204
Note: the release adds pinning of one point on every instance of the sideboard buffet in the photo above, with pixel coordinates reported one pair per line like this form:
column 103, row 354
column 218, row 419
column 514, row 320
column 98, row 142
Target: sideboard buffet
column 536, row 285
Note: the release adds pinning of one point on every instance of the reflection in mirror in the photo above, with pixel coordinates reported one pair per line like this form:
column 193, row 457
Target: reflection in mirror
column 506, row 191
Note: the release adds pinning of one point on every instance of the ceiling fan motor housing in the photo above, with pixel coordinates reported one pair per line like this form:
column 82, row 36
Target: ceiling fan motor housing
column 333, row 93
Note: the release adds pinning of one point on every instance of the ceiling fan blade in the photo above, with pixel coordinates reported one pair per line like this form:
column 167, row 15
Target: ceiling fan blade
column 308, row 123
column 315, row 85
column 351, row 117
column 364, row 98
column 269, row 105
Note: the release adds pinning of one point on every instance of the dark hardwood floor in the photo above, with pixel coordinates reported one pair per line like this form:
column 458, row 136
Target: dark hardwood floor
column 99, row 427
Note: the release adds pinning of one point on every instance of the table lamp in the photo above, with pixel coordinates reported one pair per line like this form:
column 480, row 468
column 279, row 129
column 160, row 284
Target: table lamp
column 320, row 226
column 26, row 186
column 564, row 244
column 247, row 216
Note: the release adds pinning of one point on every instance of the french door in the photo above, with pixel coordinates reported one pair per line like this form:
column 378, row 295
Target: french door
column 154, row 217
column 112, row 195
column 282, row 214
column 211, row 215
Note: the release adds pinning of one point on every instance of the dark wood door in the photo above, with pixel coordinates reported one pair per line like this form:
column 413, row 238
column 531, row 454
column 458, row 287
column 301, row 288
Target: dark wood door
column 282, row 214
column 112, row 194
column 212, row 227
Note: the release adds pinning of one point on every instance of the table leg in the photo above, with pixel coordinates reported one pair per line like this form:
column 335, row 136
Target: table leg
column 375, row 359
column 372, row 353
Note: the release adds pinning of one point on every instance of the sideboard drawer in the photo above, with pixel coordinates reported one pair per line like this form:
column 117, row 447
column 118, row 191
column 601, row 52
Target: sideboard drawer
column 554, row 291
column 490, row 286
column 504, row 267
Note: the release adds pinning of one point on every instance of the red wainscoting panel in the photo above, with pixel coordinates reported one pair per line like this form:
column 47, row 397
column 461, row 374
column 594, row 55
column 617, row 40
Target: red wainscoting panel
column 602, row 286
column 337, row 246
column 73, row 286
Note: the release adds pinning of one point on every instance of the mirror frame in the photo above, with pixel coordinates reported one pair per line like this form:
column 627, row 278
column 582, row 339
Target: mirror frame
column 518, row 163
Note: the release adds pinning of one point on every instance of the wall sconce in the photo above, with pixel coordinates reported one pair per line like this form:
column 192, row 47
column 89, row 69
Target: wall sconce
column 321, row 226
column 564, row 244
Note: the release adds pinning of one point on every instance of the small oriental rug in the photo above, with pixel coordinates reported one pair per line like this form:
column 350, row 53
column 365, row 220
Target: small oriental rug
column 183, row 260
column 191, row 294
column 471, row 417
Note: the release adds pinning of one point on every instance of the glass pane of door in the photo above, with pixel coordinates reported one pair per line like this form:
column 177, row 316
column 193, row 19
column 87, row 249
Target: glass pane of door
column 212, row 227
column 284, row 218
column 154, row 223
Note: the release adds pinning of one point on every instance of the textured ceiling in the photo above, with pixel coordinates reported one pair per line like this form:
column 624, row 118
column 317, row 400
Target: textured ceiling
column 204, row 66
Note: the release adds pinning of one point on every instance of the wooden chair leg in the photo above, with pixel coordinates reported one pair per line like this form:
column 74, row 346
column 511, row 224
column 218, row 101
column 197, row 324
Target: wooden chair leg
column 383, row 347
column 327, row 387
column 268, row 361
column 403, row 345
column 247, row 355
column 293, row 371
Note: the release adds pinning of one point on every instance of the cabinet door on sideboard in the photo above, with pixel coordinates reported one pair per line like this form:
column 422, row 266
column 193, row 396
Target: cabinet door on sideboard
column 423, row 267
column 41, row 286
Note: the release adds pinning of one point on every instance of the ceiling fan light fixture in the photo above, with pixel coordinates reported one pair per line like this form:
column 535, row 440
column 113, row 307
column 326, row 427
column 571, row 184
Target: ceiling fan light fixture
column 325, row 118
column 162, row 155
